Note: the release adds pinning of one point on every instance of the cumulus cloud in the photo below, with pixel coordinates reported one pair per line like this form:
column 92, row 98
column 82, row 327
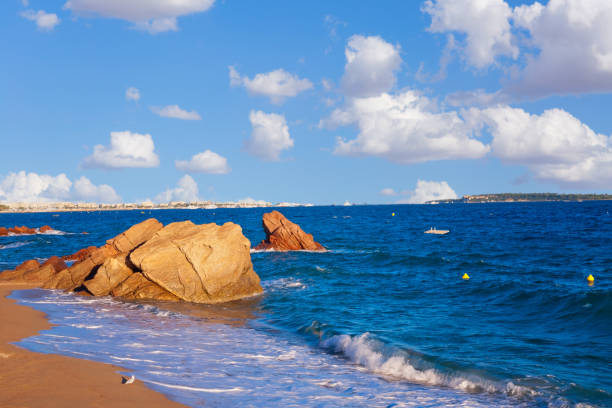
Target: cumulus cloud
column 174, row 111
column 126, row 149
column 205, row 162
column 404, row 128
column 33, row 187
column 44, row 21
column 270, row 135
column 277, row 85
column 555, row 145
column 371, row 64
column 429, row 191
column 186, row 190
column 85, row 190
column 572, row 47
column 566, row 45
column 132, row 94
column 154, row 16
column 485, row 25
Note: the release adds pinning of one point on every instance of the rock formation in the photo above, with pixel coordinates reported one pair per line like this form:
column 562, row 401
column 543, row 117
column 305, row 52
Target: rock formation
column 182, row 261
column 24, row 230
column 284, row 235
column 199, row 263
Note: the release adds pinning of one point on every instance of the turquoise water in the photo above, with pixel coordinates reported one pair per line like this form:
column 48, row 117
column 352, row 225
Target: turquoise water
column 383, row 319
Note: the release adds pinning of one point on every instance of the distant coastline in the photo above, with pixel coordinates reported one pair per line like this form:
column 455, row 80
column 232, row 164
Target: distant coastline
column 523, row 198
column 24, row 207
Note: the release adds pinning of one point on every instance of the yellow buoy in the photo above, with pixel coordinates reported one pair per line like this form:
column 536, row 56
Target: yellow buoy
column 393, row 214
column 591, row 279
column 466, row 276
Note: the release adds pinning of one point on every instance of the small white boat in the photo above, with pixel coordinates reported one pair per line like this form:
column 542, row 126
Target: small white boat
column 436, row 231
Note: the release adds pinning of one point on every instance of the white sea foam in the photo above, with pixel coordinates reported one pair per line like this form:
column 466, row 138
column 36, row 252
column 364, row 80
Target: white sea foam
column 15, row 245
column 283, row 283
column 369, row 354
column 86, row 326
column 197, row 389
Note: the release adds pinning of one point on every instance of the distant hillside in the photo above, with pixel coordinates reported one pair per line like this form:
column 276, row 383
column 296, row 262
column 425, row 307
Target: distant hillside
column 524, row 197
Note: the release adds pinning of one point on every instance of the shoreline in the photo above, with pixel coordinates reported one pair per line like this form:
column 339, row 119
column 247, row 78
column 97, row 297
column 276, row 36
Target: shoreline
column 51, row 380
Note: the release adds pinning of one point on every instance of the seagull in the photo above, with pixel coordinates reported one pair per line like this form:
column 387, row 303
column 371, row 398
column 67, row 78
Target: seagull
column 128, row 380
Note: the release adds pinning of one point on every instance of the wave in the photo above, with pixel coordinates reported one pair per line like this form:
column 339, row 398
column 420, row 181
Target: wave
column 183, row 387
column 283, row 283
column 15, row 245
column 48, row 232
column 379, row 359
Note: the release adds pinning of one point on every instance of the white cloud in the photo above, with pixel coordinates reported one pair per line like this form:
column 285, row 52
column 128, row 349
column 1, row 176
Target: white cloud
column 186, row 190
column 485, row 24
column 205, row 162
column 33, row 187
column 276, row 85
column 154, row 16
column 572, row 47
column 269, row 137
column 44, row 21
column 370, row 68
column 85, row 190
column 126, row 149
column 388, row 192
column 430, row 191
column 555, row 145
column 132, row 94
column 404, row 128
column 174, row 111
column 566, row 45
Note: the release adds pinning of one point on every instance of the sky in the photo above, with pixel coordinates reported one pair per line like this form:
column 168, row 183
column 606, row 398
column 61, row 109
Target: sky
column 310, row 102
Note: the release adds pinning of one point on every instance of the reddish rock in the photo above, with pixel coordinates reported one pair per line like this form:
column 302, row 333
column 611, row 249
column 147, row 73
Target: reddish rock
column 56, row 262
column 110, row 274
column 22, row 230
column 28, row 265
column 80, row 254
column 284, row 235
column 45, row 228
column 3, row 231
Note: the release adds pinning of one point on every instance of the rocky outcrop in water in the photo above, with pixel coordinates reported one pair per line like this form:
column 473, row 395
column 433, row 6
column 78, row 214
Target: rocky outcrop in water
column 23, row 230
column 284, row 235
column 182, row 261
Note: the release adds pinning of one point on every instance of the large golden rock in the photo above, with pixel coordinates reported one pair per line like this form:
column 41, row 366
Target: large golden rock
column 136, row 286
column 110, row 274
column 135, row 235
column 284, row 235
column 199, row 263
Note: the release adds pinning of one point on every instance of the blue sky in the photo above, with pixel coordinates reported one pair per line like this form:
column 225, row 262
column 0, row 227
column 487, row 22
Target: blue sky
column 325, row 101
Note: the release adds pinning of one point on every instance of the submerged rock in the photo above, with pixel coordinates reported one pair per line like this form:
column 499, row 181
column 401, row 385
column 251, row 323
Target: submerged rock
column 284, row 235
column 199, row 263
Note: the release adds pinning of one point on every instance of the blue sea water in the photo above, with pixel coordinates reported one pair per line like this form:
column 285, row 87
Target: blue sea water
column 383, row 319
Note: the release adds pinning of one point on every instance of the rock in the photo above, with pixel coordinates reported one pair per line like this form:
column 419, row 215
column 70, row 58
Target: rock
column 135, row 235
column 45, row 228
column 75, row 276
column 3, row 232
column 136, row 286
column 57, row 263
column 22, row 230
column 71, row 278
column 284, row 235
column 199, row 263
column 80, row 254
column 40, row 275
column 17, row 273
column 110, row 274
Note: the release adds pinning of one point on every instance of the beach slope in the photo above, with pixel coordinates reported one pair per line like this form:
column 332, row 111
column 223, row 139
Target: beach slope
column 31, row 379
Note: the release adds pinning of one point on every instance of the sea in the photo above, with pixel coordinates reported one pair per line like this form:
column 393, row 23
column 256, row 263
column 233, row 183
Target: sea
column 383, row 319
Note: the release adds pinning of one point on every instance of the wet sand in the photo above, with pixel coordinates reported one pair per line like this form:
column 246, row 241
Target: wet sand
column 29, row 379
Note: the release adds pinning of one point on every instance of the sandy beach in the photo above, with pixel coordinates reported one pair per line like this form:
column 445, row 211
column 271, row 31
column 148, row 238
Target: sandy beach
column 31, row 379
